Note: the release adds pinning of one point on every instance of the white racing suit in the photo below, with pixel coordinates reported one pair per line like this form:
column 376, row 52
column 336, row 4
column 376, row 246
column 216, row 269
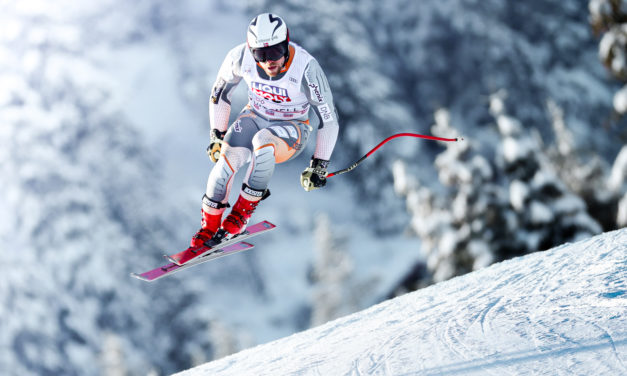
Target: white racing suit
column 274, row 127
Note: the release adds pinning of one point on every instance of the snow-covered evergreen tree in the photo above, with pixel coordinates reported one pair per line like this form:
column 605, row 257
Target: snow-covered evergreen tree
column 609, row 19
column 489, row 212
column 582, row 170
column 470, row 226
column 112, row 356
column 621, row 215
column 548, row 213
column 451, row 53
column 223, row 340
column 617, row 183
column 331, row 275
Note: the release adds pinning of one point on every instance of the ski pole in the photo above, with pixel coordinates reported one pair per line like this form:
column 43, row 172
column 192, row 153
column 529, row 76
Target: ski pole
column 351, row 167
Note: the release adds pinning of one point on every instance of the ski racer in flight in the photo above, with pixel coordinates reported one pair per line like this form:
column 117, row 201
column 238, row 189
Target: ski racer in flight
column 285, row 85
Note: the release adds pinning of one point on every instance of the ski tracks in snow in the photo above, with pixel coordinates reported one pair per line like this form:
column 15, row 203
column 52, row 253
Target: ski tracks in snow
column 540, row 319
column 470, row 330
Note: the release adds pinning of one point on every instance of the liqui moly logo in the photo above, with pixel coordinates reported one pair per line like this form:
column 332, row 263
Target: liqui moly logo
column 273, row 93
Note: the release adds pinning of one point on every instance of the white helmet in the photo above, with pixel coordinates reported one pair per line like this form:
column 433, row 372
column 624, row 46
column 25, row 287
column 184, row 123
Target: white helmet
column 266, row 30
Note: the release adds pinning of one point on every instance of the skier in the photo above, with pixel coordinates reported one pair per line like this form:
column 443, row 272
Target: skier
column 284, row 83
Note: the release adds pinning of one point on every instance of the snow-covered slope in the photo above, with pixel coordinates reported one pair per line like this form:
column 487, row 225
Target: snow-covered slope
column 562, row 311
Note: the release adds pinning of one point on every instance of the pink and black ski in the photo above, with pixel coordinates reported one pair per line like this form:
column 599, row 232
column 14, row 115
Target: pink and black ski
column 192, row 253
column 171, row 268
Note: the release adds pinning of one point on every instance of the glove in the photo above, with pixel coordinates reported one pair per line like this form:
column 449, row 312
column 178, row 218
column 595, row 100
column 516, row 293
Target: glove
column 314, row 176
column 213, row 150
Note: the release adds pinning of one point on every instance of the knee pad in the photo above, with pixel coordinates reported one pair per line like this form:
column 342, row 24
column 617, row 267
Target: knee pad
column 261, row 168
column 221, row 176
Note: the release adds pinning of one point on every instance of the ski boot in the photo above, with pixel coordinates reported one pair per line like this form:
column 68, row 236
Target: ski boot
column 235, row 223
column 211, row 219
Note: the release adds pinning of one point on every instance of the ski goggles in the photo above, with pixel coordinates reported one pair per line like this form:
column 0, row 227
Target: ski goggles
column 271, row 53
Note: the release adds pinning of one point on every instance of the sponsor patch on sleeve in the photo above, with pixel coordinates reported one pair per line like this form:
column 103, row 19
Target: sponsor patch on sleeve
column 325, row 113
column 315, row 92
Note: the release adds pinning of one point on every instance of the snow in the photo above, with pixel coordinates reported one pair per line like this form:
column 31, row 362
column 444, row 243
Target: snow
column 622, row 211
column 558, row 312
column 620, row 100
column 518, row 194
column 618, row 175
column 539, row 213
column 514, row 150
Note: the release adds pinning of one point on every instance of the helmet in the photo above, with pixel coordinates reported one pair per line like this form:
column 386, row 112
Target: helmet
column 266, row 30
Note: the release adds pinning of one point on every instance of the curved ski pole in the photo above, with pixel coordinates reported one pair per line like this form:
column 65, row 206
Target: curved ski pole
column 434, row 138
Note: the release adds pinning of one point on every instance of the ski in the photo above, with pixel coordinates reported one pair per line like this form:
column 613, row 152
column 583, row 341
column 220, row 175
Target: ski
column 191, row 253
column 171, row 268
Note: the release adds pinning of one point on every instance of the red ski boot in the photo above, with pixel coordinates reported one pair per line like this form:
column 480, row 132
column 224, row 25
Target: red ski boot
column 209, row 225
column 235, row 222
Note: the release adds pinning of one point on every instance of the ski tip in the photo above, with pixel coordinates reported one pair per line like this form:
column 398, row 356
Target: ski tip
column 139, row 276
column 268, row 224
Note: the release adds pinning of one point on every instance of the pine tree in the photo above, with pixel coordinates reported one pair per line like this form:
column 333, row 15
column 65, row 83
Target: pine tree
column 617, row 183
column 609, row 19
column 583, row 171
column 331, row 275
column 112, row 356
column 490, row 212
column 548, row 213
column 223, row 340
column 468, row 226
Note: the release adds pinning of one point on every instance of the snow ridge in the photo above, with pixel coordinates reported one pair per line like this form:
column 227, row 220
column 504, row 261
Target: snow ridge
column 561, row 311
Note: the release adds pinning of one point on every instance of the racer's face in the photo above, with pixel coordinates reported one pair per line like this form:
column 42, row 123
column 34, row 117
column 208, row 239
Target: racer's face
column 272, row 67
